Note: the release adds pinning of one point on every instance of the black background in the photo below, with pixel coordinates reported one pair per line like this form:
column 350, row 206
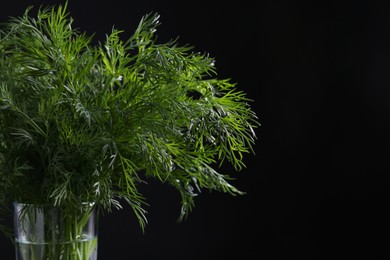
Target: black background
column 317, row 188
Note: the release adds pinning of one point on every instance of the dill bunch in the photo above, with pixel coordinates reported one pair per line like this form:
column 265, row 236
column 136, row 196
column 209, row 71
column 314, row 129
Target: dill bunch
column 83, row 122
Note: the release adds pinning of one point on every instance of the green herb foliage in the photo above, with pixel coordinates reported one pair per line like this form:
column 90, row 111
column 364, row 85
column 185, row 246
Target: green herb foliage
column 83, row 122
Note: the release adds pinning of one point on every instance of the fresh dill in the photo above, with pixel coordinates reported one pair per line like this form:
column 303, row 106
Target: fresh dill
column 84, row 122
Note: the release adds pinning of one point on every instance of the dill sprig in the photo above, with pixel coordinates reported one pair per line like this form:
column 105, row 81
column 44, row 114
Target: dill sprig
column 83, row 122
